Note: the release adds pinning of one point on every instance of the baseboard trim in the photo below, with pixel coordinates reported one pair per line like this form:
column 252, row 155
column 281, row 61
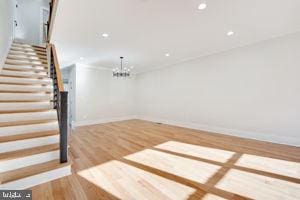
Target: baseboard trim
column 267, row 137
column 102, row 121
column 2, row 60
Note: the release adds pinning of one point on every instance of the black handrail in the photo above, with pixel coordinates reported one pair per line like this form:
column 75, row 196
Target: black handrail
column 60, row 103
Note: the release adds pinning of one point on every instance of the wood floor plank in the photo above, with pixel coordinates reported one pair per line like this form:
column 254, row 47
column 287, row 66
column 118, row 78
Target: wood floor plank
column 143, row 160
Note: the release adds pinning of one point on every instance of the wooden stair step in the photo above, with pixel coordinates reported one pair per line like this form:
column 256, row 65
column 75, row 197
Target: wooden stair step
column 31, row 171
column 11, row 107
column 27, row 136
column 28, row 116
column 27, row 61
column 33, row 55
column 25, row 68
column 27, row 49
column 31, row 128
column 26, row 96
column 25, row 81
column 25, row 56
column 12, row 57
column 27, row 152
column 27, row 157
column 23, row 143
column 25, row 88
column 27, row 46
column 24, row 74
column 19, row 62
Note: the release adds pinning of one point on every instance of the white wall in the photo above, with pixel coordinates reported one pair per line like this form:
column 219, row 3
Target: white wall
column 6, row 28
column 251, row 92
column 102, row 98
column 29, row 20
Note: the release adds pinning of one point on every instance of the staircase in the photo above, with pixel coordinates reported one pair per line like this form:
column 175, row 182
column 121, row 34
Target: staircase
column 29, row 126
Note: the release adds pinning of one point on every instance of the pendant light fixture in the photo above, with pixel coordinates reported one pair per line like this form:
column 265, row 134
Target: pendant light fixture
column 121, row 72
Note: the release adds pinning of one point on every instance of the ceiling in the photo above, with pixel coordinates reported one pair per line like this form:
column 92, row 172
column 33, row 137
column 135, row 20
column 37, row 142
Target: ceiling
column 143, row 31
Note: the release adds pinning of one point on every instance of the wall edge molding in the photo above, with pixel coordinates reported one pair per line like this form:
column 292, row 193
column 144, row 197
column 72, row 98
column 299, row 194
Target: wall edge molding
column 102, row 120
column 291, row 141
column 2, row 62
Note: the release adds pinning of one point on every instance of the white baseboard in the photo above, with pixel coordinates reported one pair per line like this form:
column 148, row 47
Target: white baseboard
column 268, row 137
column 2, row 60
column 102, row 121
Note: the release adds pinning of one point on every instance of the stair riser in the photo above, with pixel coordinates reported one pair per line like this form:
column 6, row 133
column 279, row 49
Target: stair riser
column 8, row 165
column 26, row 61
column 25, row 81
column 31, row 181
column 13, row 62
column 25, row 69
column 25, row 97
column 24, row 74
column 19, row 117
column 28, row 143
column 25, row 106
column 23, row 129
column 23, row 88
column 27, row 45
column 18, row 62
column 27, row 55
column 26, row 49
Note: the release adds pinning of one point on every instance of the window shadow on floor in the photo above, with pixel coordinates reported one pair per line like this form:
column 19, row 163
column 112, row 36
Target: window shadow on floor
column 175, row 163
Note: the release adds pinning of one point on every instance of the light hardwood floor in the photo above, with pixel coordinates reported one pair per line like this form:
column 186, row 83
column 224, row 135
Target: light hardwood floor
column 142, row 160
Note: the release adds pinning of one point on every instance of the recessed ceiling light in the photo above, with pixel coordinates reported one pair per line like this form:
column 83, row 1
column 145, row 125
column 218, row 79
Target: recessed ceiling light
column 81, row 58
column 167, row 54
column 230, row 33
column 105, row 35
column 131, row 67
column 202, row 6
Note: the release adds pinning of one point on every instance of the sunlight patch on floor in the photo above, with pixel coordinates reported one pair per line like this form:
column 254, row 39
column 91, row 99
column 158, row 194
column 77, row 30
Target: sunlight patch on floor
column 197, row 151
column 282, row 167
column 187, row 168
column 128, row 182
column 258, row 187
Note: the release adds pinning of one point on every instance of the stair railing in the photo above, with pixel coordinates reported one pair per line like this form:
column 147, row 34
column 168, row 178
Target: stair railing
column 60, row 102
column 52, row 13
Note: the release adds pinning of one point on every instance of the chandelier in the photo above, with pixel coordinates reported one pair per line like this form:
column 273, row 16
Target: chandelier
column 121, row 72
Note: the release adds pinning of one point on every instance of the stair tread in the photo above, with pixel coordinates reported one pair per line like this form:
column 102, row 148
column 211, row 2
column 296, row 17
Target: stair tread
column 11, row 57
column 30, row 49
column 27, row 152
column 24, row 74
column 25, row 80
column 26, row 56
column 12, row 95
column 24, row 172
column 16, row 53
column 17, row 107
column 28, row 46
column 29, row 128
column 26, row 116
column 18, row 62
column 25, row 60
column 9, row 88
column 27, row 136
column 25, row 68
column 19, row 97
